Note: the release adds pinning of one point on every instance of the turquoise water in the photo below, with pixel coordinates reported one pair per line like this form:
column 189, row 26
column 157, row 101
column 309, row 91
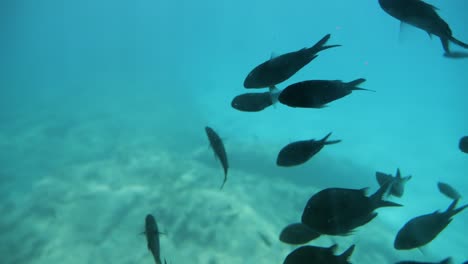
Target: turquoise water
column 104, row 104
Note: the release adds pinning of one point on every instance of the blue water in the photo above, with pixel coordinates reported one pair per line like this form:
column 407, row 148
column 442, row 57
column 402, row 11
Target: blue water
column 103, row 107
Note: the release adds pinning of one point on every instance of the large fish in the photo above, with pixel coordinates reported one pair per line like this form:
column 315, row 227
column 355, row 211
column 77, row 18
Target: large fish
column 218, row 147
column 299, row 152
column 255, row 102
column 421, row 230
column 398, row 183
column 423, row 16
column 298, row 233
column 448, row 191
column 279, row 69
column 152, row 237
column 445, row 261
column 463, row 144
column 317, row 93
column 338, row 211
column 318, row 255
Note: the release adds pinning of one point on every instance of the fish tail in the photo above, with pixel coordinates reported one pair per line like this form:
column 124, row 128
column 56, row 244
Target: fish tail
column 332, row 142
column 353, row 85
column 451, row 209
column 377, row 200
column 458, row 42
column 326, row 137
column 348, row 252
column 224, row 181
column 319, row 46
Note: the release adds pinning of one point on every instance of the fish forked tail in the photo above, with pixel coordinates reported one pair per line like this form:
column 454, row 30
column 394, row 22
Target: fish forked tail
column 451, row 211
column 352, row 85
column 325, row 142
column 377, row 200
column 319, row 46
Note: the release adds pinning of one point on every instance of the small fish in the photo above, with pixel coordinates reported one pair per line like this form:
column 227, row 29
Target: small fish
column 445, row 261
column 318, row 255
column 448, row 191
column 255, row 102
column 423, row 16
column 152, row 237
column 299, row 152
column 317, row 93
column 463, row 144
column 338, row 211
column 421, row 230
column 298, row 233
column 398, row 183
column 220, row 152
column 279, row 69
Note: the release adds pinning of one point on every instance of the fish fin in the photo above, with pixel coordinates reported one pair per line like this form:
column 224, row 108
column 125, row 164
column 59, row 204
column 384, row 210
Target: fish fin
column 458, row 42
column 364, row 190
column 224, row 181
column 356, row 82
column 319, row 46
column 445, row 44
column 330, row 142
column 273, row 55
column 398, row 174
column 378, row 195
column 348, row 252
column 326, row 137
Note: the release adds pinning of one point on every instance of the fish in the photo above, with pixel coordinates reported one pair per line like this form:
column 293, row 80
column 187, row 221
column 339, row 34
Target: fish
column 299, row 152
column 318, row 93
column 444, row 261
column 278, row 69
column 448, row 191
column 318, row 255
column 398, row 183
column 463, row 144
column 220, row 152
column 152, row 237
column 297, row 233
column 255, row 102
column 421, row 230
column 338, row 211
column 423, row 16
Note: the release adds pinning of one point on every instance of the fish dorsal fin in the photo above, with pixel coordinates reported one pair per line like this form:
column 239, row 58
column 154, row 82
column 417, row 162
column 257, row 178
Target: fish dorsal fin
column 273, row 55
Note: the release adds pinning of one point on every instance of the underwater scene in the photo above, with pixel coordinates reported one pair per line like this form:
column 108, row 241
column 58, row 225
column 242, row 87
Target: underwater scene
column 228, row 132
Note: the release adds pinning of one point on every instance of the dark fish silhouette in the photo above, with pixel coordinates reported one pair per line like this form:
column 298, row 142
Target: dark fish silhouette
column 397, row 183
column 152, row 237
column 317, row 93
column 281, row 68
column 255, row 102
column 318, row 255
column 299, row 152
column 448, row 191
column 218, row 147
column 423, row 16
column 445, row 261
column 463, row 144
column 338, row 211
column 421, row 230
column 298, row 233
